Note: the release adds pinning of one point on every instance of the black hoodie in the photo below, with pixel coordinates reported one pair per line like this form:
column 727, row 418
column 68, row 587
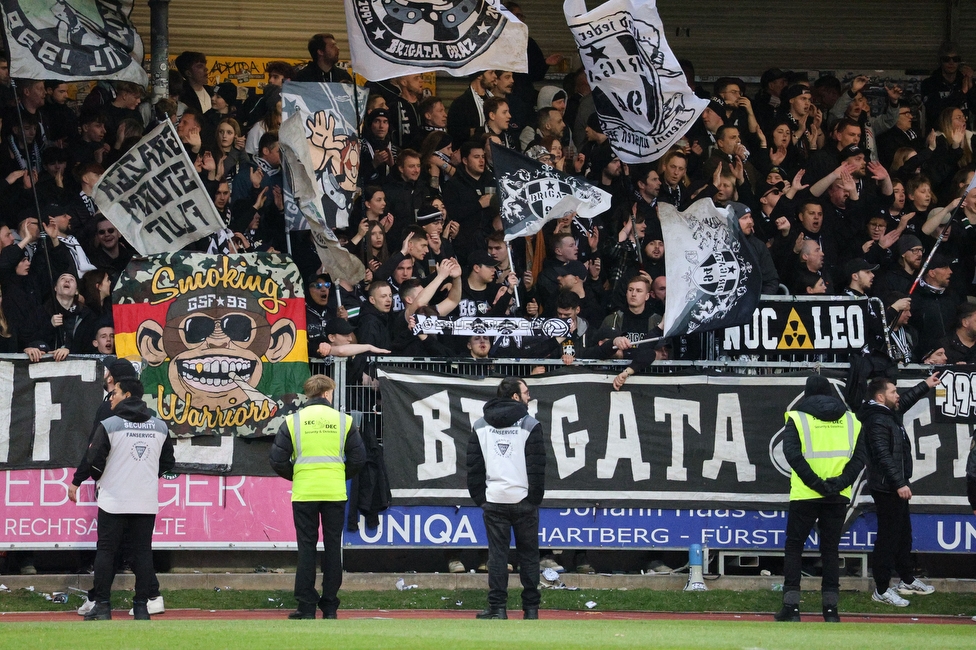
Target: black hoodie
column 826, row 409
column 501, row 413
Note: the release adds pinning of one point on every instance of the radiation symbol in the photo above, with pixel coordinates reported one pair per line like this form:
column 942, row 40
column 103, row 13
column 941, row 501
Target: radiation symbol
column 795, row 335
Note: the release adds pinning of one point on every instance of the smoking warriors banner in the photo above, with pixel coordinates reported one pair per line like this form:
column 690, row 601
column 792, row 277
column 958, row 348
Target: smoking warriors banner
column 661, row 442
column 73, row 40
column 222, row 338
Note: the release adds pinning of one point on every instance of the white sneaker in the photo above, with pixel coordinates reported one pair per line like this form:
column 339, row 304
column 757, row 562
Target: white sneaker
column 86, row 607
column 154, row 605
column 916, row 588
column 550, row 563
column 890, row 597
column 455, row 566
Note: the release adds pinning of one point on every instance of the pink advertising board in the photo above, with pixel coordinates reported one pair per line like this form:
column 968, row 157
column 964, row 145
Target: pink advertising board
column 196, row 512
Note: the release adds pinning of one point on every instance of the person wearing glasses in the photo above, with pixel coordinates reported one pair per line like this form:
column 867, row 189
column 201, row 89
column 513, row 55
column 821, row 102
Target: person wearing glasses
column 318, row 314
column 950, row 86
column 109, row 251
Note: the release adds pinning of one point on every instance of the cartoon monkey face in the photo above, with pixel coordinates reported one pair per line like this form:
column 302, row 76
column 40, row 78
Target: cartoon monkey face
column 215, row 344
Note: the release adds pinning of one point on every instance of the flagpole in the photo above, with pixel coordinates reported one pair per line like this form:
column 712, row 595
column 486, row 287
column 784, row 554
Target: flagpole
column 928, row 260
column 511, row 268
column 37, row 204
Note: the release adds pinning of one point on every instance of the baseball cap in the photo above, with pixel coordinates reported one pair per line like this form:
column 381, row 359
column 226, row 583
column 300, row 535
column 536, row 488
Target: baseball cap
column 481, row 258
column 795, row 91
column 850, row 151
column 339, row 326
column 574, row 267
column 858, row 264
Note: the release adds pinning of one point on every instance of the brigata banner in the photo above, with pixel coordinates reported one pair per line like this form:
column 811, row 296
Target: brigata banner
column 661, row 442
column 813, row 325
column 254, row 513
column 155, row 197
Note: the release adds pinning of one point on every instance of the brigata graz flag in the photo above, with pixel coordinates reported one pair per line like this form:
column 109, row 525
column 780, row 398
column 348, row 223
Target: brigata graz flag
column 532, row 193
column 640, row 92
column 713, row 278
column 73, row 40
column 392, row 38
column 155, row 197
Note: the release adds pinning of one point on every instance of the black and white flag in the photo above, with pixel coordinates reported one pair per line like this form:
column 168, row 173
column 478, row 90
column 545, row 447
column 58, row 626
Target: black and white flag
column 392, row 38
column 640, row 92
column 73, row 40
column 155, row 197
column 532, row 193
column 713, row 278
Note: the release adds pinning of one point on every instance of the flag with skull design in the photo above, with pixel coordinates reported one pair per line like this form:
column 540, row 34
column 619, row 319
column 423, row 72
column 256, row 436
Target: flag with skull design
column 393, row 38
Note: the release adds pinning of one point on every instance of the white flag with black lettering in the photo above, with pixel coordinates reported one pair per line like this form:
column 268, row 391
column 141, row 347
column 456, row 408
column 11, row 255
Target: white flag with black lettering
column 639, row 89
column 155, row 197
column 73, row 40
column 713, row 276
column 391, row 39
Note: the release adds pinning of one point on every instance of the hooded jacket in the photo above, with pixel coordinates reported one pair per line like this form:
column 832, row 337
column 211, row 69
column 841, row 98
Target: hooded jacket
column 506, row 455
column 826, row 409
column 128, row 453
column 889, row 449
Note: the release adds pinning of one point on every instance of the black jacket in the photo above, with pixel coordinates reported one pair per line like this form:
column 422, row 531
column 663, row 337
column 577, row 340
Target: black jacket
column 504, row 412
column 826, row 409
column 889, row 449
column 282, row 449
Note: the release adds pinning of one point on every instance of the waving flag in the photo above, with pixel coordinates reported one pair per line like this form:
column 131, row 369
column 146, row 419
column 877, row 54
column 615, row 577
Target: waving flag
column 73, row 40
column 532, row 193
column 640, row 92
column 392, row 38
column 713, row 278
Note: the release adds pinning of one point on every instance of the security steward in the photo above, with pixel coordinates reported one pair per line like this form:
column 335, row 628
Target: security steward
column 822, row 444
column 318, row 449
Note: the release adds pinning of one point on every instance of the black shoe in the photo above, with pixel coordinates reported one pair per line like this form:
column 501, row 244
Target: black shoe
column 140, row 610
column 330, row 614
column 492, row 613
column 830, row 615
column 102, row 611
column 530, row 614
column 789, row 613
column 301, row 615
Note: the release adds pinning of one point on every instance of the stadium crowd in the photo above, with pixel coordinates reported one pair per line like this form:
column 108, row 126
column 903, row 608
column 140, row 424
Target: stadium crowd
column 834, row 194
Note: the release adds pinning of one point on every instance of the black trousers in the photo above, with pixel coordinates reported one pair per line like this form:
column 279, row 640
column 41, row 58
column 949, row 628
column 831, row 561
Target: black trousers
column 307, row 515
column 136, row 531
column 501, row 519
column 893, row 545
column 829, row 518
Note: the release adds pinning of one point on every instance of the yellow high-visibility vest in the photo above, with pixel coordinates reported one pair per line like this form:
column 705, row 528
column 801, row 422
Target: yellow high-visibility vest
column 318, row 438
column 826, row 446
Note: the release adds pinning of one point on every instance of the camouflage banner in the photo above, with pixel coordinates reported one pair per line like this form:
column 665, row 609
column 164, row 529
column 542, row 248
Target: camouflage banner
column 222, row 339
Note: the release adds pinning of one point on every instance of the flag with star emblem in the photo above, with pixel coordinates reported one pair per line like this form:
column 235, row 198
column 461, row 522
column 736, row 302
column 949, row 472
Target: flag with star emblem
column 392, row 38
column 713, row 275
column 532, row 193
column 642, row 98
